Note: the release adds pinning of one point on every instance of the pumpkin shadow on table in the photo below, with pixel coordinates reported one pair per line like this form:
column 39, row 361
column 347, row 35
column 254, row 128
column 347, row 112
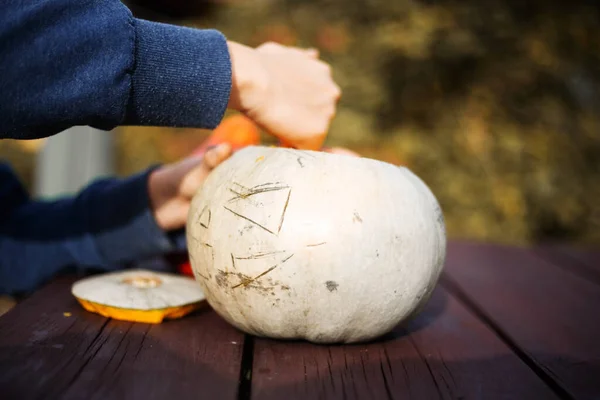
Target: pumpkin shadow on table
column 421, row 319
column 446, row 351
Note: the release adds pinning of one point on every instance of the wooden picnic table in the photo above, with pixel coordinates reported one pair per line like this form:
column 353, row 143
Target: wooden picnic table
column 504, row 323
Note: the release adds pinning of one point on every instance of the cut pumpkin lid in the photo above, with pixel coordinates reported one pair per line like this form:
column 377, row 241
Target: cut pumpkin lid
column 139, row 295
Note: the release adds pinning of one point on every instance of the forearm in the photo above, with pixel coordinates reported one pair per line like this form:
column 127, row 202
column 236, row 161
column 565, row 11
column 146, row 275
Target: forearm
column 248, row 77
column 108, row 224
column 86, row 62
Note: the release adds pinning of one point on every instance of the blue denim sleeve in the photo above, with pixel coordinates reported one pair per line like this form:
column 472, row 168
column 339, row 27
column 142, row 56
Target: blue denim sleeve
column 108, row 224
column 88, row 62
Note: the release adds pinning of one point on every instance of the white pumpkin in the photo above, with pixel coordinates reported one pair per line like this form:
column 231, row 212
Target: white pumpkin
column 309, row 245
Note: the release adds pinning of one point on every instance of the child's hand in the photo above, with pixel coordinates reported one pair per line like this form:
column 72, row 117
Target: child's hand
column 172, row 187
column 287, row 91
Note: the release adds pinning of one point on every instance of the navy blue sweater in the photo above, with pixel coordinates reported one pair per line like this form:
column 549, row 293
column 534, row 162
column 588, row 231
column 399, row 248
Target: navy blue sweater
column 90, row 62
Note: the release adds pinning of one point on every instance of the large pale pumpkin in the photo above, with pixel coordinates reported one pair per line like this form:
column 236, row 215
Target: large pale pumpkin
column 308, row 245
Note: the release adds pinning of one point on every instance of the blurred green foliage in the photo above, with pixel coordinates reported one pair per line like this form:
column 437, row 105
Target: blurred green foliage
column 495, row 104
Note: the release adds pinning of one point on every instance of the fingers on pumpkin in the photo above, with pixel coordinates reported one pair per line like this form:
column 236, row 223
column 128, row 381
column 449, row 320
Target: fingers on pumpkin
column 216, row 155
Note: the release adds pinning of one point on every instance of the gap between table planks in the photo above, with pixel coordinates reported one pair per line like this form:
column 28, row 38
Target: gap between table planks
column 45, row 354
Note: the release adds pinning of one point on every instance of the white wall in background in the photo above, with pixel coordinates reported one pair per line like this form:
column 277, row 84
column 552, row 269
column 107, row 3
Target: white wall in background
column 70, row 160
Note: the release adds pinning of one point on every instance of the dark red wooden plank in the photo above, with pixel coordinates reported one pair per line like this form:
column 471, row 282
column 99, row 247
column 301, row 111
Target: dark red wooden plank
column 183, row 359
column 46, row 355
column 547, row 312
column 446, row 353
column 41, row 349
column 579, row 261
column 586, row 256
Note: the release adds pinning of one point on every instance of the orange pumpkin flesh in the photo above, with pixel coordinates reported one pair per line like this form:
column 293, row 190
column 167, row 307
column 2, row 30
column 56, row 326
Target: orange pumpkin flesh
column 238, row 130
column 144, row 316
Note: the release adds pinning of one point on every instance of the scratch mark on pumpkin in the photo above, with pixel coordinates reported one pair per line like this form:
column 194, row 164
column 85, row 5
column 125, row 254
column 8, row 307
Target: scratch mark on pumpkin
column 302, row 153
column 194, row 266
column 199, row 220
column 233, row 261
column 250, row 220
column 266, row 184
column 263, row 188
column 200, row 215
column 284, row 210
column 299, row 159
column 260, row 255
column 357, row 217
column 212, row 252
column 246, row 282
column 240, row 185
column 316, row 244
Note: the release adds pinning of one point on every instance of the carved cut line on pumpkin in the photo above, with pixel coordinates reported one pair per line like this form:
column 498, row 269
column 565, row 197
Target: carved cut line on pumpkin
column 249, row 220
column 247, row 282
column 206, row 247
column 195, row 239
column 245, row 192
column 302, row 157
column 287, row 201
column 202, row 276
column 303, row 154
column 271, row 196
column 260, row 255
column 245, row 262
column 205, row 217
